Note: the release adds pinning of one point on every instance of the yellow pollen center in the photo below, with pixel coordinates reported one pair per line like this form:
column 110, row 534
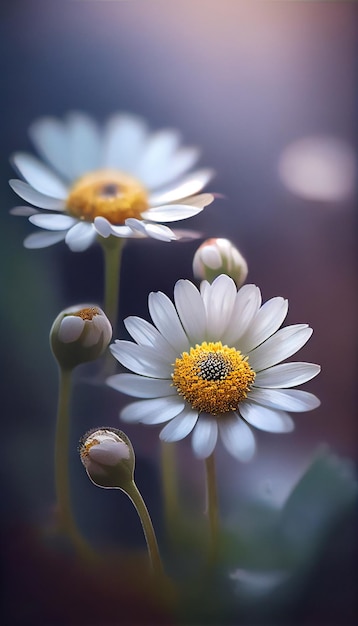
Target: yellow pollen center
column 107, row 193
column 86, row 314
column 213, row 378
column 85, row 448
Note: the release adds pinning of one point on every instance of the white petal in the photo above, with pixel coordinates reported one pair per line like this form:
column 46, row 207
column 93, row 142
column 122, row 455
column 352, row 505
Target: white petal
column 188, row 186
column 237, row 437
column 156, row 231
column 280, row 346
column 265, row 323
column 200, row 201
column 109, row 452
column 141, row 359
column 179, row 427
column 39, row 176
column 28, row 193
column 81, row 236
column 53, row 221
column 247, row 303
column 165, row 317
column 124, row 139
column 183, row 234
column 146, row 334
column 84, row 144
column 157, row 155
column 51, row 139
column 105, row 228
column 171, row 212
column 287, row 375
column 204, row 437
column 285, row 399
column 71, row 328
column 43, row 240
column 153, row 411
column 190, row 307
column 270, row 420
column 23, row 211
column 92, row 334
column 219, row 306
column 178, row 165
column 141, row 386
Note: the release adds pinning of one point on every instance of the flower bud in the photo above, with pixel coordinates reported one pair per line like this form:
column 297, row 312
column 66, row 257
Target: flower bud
column 79, row 334
column 219, row 256
column 108, row 457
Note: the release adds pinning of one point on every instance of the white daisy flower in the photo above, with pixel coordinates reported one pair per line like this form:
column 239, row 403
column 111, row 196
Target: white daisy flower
column 210, row 365
column 123, row 181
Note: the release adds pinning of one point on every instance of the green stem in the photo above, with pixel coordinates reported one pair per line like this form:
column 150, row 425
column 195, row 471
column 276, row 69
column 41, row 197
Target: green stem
column 212, row 504
column 152, row 545
column 169, row 486
column 112, row 248
column 62, row 472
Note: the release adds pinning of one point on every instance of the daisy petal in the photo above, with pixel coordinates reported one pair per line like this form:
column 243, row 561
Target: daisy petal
column 237, row 437
column 200, row 201
column 81, row 236
column 156, row 157
column 105, row 228
column 23, row 211
column 107, row 453
column 286, row 375
column 187, row 187
column 52, row 221
column 71, row 328
column 191, row 310
column 156, row 231
column 179, row 427
column 219, row 305
column 265, row 323
column 165, row 318
column 123, row 141
column 153, row 411
column 270, row 420
column 280, row 346
column 146, row 334
column 205, row 436
column 141, row 359
column 171, row 212
column 247, row 303
column 141, row 386
column 50, row 137
column 178, row 165
column 39, row 176
column 84, row 144
column 43, row 240
column 28, row 193
column 293, row 400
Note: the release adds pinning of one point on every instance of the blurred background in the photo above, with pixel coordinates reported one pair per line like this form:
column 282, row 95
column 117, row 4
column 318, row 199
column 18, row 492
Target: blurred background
column 268, row 90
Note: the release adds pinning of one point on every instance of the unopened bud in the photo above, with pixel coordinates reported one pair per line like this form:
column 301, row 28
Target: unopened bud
column 108, row 457
column 219, row 256
column 79, row 334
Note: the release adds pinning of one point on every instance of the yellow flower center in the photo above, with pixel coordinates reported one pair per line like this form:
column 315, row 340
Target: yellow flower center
column 85, row 447
column 213, row 378
column 86, row 314
column 107, row 193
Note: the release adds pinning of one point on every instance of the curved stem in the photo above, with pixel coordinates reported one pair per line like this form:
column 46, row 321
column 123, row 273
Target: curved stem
column 152, row 544
column 212, row 505
column 169, row 486
column 62, row 472
column 112, row 248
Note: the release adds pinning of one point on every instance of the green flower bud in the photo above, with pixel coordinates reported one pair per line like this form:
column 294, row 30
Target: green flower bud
column 108, row 457
column 219, row 256
column 79, row 334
